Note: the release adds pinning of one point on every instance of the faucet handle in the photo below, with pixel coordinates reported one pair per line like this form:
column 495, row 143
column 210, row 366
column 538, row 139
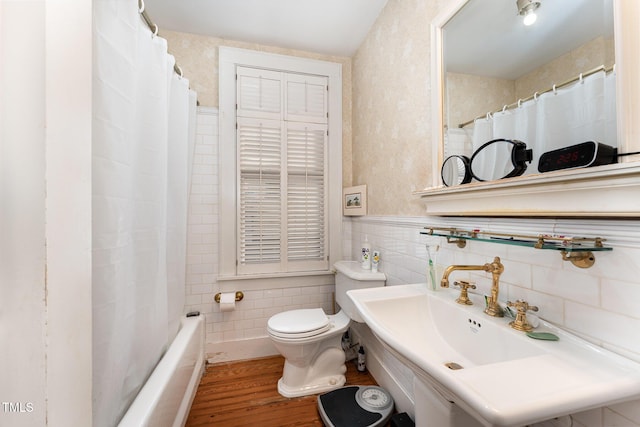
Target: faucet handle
column 521, row 323
column 522, row 306
column 464, row 295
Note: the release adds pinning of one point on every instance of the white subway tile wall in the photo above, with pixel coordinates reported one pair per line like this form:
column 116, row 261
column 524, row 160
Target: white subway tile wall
column 202, row 228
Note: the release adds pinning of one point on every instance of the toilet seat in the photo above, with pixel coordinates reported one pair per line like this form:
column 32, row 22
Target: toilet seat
column 301, row 323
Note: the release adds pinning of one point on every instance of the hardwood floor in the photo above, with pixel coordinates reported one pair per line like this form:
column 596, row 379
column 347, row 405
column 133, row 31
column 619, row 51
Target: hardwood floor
column 245, row 393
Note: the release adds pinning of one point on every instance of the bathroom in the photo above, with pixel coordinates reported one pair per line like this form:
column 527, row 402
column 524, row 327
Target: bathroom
column 53, row 336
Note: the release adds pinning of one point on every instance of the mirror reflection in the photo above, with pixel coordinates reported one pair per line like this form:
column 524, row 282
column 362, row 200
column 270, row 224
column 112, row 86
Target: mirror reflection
column 455, row 170
column 549, row 85
column 499, row 159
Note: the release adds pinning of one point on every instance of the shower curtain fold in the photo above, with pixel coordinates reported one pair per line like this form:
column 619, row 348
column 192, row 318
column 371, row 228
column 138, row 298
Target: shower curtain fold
column 139, row 185
column 177, row 198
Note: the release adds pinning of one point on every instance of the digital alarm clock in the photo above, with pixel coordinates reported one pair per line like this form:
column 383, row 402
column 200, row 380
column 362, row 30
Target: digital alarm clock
column 583, row 155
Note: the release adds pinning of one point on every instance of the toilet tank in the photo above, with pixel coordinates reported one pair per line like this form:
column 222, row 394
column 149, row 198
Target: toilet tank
column 350, row 275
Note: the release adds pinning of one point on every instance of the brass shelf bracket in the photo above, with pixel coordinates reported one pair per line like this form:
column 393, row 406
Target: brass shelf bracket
column 459, row 237
column 461, row 243
column 580, row 259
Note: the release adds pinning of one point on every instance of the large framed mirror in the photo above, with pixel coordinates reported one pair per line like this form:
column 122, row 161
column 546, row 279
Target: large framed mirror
column 575, row 69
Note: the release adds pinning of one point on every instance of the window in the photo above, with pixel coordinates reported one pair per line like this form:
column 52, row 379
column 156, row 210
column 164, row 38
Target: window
column 278, row 156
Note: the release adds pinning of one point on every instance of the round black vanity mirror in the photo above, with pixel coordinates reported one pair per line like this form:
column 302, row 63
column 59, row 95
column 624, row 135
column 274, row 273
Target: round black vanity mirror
column 455, row 170
column 500, row 158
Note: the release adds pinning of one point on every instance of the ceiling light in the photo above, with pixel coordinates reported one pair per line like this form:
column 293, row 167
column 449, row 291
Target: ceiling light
column 527, row 9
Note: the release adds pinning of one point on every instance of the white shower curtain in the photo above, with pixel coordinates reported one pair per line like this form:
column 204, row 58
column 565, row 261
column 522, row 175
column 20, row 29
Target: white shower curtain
column 583, row 111
column 177, row 201
column 574, row 115
column 140, row 177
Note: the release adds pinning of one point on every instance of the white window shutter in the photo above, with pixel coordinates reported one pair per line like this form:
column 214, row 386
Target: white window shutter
column 259, row 93
column 260, row 195
column 306, row 196
column 282, row 164
column 306, row 98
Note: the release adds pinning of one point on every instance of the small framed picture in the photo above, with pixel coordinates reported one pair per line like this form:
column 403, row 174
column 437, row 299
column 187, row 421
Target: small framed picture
column 354, row 200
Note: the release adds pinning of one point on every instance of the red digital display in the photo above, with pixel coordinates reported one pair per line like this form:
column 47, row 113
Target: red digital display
column 565, row 158
column 581, row 155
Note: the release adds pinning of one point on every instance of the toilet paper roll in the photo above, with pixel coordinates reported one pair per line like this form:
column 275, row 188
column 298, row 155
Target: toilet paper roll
column 227, row 301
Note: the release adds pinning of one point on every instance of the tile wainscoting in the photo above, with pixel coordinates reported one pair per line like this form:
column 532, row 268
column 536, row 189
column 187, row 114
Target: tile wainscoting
column 600, row 304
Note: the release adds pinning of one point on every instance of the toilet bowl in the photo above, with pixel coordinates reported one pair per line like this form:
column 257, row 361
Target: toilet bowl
column 314, row 360
column 310, row 340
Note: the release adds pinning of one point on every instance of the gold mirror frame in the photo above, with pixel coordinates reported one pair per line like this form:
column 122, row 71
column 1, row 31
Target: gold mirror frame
column 603, row 191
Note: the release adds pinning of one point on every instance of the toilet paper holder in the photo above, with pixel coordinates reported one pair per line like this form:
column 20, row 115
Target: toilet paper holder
column 239, row 296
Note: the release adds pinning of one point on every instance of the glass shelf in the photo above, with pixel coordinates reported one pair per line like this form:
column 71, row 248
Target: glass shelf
column 578, row 250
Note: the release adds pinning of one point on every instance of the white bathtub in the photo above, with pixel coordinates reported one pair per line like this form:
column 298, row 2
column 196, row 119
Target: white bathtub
column 166, row 397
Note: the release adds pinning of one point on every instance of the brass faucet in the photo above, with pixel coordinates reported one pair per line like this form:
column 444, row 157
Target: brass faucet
column 521, row 323
column 464, row 294
column 495, row 268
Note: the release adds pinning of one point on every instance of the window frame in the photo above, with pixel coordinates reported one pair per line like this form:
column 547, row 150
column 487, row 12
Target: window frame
column 229, row 59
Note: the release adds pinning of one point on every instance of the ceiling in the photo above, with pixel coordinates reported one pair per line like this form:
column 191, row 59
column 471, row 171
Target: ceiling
column 332, row 27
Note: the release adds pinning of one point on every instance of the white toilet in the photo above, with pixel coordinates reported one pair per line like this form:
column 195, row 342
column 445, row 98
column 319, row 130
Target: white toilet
column 310, row 340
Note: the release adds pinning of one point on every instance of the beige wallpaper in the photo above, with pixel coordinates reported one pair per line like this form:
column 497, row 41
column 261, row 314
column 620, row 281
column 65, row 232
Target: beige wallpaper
column 470, row 96
column 597, row 52
column 391, row 104
column 198, row 57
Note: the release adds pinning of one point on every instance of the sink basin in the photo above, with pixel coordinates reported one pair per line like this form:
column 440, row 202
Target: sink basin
column 497, row 374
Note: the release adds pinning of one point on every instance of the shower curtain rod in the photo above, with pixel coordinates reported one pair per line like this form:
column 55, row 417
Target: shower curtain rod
column 154, row 28
column 535, row 95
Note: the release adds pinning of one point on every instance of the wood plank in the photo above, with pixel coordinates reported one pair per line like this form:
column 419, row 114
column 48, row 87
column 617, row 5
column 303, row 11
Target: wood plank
column 244, row 393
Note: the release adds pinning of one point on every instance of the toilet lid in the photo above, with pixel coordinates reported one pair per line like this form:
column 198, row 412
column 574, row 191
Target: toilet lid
column 307, row 322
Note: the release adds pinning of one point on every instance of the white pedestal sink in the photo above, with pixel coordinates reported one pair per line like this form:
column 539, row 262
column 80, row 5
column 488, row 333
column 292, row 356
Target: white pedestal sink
column 506, row 378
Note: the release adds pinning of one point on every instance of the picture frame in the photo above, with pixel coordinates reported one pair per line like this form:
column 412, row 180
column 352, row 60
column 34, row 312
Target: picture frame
column 354, row 200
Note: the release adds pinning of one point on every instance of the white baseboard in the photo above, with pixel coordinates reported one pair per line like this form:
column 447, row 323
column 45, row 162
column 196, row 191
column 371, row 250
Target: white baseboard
column 230, row 351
